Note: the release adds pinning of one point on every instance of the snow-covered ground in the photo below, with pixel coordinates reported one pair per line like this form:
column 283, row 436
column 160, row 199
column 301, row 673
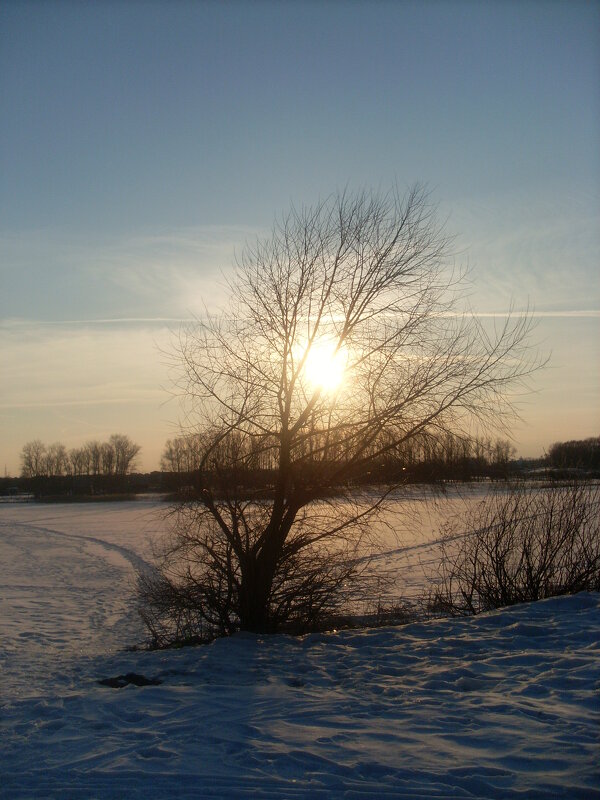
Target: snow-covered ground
column 505, row 705
column 67, row 584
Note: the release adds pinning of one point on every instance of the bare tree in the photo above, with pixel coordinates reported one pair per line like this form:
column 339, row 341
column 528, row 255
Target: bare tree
column 180, row 454
column 77, row 458
column 93, row 451
column 107, row 456
column 33, row 459
column 56, row 459
column 342, row 343
column 125, row 453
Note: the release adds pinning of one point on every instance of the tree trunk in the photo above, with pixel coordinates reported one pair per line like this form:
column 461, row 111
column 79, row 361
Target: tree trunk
column 255, row 591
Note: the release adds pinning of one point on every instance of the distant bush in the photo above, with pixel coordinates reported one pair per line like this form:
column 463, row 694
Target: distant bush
column 522, row 545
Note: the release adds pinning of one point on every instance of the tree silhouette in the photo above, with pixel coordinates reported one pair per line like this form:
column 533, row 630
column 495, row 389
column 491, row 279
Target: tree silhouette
column 342, row 343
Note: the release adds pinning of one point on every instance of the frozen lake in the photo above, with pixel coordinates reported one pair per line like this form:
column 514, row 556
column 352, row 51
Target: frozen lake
column 66, row 589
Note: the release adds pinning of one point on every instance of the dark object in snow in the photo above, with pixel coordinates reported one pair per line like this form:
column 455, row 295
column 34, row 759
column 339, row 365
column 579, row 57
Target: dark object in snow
column 124, row 680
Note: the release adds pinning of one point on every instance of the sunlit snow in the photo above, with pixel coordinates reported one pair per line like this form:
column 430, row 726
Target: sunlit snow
column 504, row 705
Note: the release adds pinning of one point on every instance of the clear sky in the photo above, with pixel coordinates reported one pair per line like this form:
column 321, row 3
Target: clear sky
column 142, row 143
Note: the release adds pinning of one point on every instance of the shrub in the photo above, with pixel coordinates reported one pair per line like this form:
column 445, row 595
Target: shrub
column 522, row 545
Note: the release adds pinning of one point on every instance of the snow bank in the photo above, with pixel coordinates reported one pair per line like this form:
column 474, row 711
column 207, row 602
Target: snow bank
column 504, row 705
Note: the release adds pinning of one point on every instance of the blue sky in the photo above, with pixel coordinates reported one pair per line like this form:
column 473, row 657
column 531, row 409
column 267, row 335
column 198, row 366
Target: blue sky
column 142, row 143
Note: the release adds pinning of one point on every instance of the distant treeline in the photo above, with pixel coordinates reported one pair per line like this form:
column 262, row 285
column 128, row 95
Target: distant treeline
column 251, row 462
column 95, row 468
column 425, row 458
column 106, row 468
column 186, row 454
column 583, row 454
column 114, row 457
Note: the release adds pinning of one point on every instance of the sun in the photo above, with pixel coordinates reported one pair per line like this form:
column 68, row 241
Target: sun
column 325, row 365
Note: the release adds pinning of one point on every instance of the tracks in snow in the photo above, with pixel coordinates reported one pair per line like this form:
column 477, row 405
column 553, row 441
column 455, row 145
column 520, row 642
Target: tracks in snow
column 134, row 559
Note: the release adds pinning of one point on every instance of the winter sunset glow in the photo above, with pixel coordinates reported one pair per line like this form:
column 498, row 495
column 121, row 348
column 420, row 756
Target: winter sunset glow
column 299, row 399
column 124, row 204
column 325, row 365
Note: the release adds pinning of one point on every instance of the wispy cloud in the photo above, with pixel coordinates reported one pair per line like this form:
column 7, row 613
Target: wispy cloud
column 541, row 248
column 14, row 323
column 115, row 401
column 59, row 365
column 573, row 314
column 169, row 274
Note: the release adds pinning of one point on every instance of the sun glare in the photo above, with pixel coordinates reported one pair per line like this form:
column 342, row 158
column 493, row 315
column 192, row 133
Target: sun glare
column 324, row 368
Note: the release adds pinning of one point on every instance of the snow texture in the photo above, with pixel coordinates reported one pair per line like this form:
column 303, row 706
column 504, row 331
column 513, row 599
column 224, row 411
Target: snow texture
column 505, row 705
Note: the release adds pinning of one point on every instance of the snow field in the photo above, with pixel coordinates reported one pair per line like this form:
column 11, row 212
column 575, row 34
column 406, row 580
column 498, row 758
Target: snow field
column 505, row 705
column 67, row 583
